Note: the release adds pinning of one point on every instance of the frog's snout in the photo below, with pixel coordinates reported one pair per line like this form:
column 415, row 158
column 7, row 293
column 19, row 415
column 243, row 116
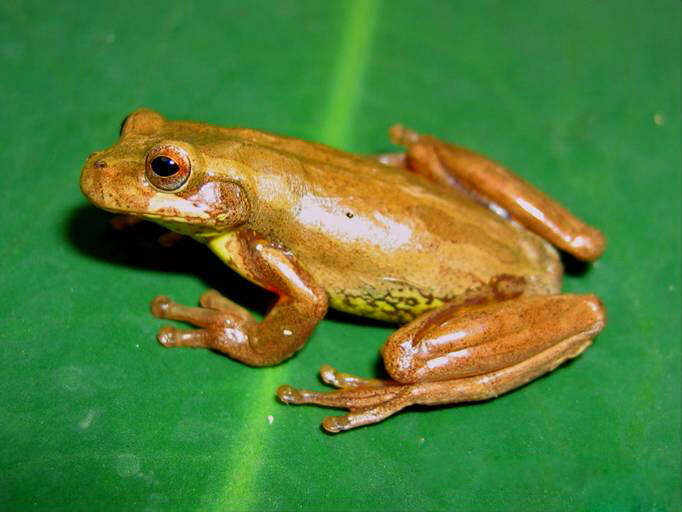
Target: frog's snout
column 91, row 181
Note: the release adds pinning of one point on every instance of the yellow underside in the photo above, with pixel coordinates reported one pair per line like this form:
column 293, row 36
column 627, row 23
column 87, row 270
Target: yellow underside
column 221, row 245
column 396, row 307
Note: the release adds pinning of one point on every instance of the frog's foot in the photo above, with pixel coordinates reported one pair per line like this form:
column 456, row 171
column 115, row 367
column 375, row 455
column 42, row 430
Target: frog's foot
column 222, row 323
column 230, row 329
column 462, row 354
column 368, row 400
column 372, row 404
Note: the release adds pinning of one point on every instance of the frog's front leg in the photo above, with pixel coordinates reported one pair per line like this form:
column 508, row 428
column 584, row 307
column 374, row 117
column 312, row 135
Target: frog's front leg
column 230, row 329
column 464, row 353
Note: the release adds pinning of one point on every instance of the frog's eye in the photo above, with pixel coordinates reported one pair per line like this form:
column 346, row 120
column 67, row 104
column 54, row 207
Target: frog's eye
column 167, row 167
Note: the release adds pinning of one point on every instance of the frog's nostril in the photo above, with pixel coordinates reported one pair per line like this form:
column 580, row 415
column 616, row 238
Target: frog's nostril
column 99, row 164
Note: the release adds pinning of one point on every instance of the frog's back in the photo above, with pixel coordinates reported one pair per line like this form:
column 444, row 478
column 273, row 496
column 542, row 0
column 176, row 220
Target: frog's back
column 386, row 243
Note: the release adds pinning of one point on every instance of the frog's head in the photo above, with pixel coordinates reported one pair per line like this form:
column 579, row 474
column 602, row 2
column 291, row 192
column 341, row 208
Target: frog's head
column 158, row 170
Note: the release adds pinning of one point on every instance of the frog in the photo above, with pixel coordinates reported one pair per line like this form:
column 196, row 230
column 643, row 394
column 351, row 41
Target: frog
column 456, row 250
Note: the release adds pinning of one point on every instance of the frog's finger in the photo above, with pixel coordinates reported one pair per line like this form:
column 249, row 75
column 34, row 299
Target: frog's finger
column 213, row 299
column 163, row 307
column 173, row 337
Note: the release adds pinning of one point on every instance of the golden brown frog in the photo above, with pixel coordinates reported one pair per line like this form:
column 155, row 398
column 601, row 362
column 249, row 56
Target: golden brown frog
column 439, row 238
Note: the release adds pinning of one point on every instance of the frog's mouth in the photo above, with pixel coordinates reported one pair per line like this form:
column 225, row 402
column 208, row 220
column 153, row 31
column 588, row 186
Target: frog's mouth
column 183, row 225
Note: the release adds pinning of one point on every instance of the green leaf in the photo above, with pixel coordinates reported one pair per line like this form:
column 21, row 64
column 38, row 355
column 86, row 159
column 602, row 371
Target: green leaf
column 582, row 99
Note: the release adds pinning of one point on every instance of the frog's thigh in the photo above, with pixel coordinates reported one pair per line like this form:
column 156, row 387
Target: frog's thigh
column 461, row 342
column 452, row 166
column 495, row 383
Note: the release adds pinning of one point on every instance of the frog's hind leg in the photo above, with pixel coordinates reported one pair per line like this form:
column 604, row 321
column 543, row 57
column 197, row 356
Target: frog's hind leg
column 491, row 183
column 463, row 353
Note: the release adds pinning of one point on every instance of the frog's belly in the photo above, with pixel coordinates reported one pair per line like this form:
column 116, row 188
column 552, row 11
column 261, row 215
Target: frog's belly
column 402, row 286
column 396, row 305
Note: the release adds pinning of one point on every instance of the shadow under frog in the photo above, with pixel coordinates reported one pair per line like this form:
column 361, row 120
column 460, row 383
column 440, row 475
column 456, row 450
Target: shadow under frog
column 90, row 230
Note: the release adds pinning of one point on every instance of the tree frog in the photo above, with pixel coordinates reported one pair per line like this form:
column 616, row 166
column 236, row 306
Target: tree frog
column 453, row 247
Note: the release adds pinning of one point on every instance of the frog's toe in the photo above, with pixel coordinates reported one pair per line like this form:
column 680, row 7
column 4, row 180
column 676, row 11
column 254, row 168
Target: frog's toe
column 213, row 299
column 333, row 377
column 291, row 395
column 368, row 415
column 330, row 375
column 209, row 297
column 335, row 424
column 288, row 395
column 366, row 404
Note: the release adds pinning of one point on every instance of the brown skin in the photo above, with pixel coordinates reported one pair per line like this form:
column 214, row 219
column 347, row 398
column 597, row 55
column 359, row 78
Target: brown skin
column 320, row 227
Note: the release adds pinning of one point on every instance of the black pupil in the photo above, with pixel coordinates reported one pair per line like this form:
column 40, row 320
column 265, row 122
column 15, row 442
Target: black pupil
column 164, row 166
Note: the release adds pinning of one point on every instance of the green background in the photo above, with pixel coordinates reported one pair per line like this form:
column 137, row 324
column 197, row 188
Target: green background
column 583, row 100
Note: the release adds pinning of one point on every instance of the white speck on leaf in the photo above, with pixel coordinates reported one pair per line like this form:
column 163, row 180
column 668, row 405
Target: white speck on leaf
column 127, row 465
column 271, row 418
column 659, row 120
column 87, row 421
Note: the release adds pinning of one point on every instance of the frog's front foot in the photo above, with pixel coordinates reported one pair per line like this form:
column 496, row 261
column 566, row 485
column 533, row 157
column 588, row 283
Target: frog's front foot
column 223, row 325
column 216, row 312
column 368, row 400
column 228, row 328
